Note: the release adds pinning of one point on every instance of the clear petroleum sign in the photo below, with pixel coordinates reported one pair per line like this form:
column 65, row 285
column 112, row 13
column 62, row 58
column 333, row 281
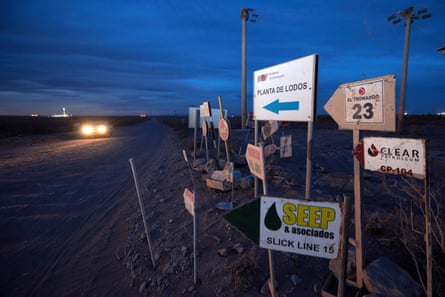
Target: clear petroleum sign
column 286, row 92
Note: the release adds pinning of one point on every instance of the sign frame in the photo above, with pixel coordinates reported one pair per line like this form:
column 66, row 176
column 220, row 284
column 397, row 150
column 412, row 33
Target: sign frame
column 305, row 227
column 368, row 104
column 255, row 160
column 286, row 91
column 399, row 156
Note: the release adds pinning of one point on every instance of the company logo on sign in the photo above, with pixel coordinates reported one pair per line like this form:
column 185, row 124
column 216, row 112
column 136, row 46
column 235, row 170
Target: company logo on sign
column 301, row 219
column 394, row 153
column 262, row 77
column 373, row 151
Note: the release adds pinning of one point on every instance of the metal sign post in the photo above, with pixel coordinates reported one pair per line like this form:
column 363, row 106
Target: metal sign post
column 205, row 131
column 191, row 196
column 255, row 160
column 287, row 92
column 404, row 157
column 359, row 241
column 429, row 249
column 141, row 206
column 363, row 105
column 224, row 129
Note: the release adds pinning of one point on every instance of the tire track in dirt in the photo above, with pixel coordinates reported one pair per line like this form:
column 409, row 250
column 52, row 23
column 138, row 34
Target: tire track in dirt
column 83, row 261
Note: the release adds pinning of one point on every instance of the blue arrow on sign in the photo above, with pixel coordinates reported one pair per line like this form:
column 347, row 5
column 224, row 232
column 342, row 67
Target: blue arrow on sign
column 277, row 106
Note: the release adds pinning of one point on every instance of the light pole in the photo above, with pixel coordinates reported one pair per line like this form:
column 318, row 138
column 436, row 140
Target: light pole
column 244, row 19
column 410, row 15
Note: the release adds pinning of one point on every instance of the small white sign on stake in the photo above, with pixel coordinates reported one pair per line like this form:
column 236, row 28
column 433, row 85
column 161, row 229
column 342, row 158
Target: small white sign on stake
column 300, row 226
column 399, row 156
column 255, row 160
column 204, row 109
column 286, row 146
column 189, row 199
column 269, row 128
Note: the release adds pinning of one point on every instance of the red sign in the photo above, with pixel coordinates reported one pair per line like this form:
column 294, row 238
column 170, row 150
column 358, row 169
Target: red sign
column 189, row 199
column 255, row 160
column 224, row 129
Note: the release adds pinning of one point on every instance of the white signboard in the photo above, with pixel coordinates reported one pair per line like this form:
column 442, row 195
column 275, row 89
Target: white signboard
column 400, row 156
column 204, row 109
column 366, row 105
column 189, row 198
column 364, row 102
column 300, row 226
column 255, row 160
column 192, row 117
column 269, row 129
column 286, row 146
column 286, row 92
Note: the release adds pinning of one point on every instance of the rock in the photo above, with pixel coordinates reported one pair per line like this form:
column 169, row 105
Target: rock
column 265, row 288
column 335, row 265
column 245, row 182
column 238, row 248
column 373, row 225
column 296, row 280
column 142, row 287
column 385, row 278
column 184, row 250
column 223, row 252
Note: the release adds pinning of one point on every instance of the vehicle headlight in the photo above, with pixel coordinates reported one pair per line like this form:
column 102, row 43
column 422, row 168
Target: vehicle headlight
column 102, row 129
column 87, row 129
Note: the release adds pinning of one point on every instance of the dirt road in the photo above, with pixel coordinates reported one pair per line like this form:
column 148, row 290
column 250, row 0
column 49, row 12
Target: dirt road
column 65, row 208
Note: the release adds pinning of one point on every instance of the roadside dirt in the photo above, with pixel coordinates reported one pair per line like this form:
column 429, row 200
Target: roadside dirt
column 65, row 209
column 70, row 223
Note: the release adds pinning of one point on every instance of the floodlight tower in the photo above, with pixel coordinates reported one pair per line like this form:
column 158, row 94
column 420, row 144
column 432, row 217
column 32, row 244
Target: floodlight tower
column 410, row 15
column 244, row 18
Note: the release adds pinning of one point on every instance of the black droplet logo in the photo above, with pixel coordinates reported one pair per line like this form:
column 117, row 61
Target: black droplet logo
column 272, row 220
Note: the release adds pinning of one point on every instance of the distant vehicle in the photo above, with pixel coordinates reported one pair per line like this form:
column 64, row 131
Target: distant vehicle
column 95, row 129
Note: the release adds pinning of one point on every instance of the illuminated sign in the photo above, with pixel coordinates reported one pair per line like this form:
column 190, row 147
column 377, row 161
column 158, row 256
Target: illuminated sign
column 300, row 226
column 286, row 92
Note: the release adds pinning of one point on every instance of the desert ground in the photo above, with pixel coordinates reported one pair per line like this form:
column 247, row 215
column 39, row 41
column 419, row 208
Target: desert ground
column 70, row 223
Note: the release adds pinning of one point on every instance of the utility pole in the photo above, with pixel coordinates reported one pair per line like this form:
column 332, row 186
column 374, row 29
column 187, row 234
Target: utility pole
column 244, row 18
column 410, row 15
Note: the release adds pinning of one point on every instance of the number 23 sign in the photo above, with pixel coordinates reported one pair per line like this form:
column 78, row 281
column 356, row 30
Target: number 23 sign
column 366, row 105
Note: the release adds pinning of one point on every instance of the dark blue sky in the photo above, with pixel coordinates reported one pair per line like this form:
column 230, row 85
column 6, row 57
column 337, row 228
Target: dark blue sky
column 160, row 57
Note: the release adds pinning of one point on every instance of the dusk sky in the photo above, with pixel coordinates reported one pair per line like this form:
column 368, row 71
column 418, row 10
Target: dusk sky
column 131, row 57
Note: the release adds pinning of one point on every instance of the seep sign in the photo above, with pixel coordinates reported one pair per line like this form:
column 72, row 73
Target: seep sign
column 299, row 226
column 400, row 156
